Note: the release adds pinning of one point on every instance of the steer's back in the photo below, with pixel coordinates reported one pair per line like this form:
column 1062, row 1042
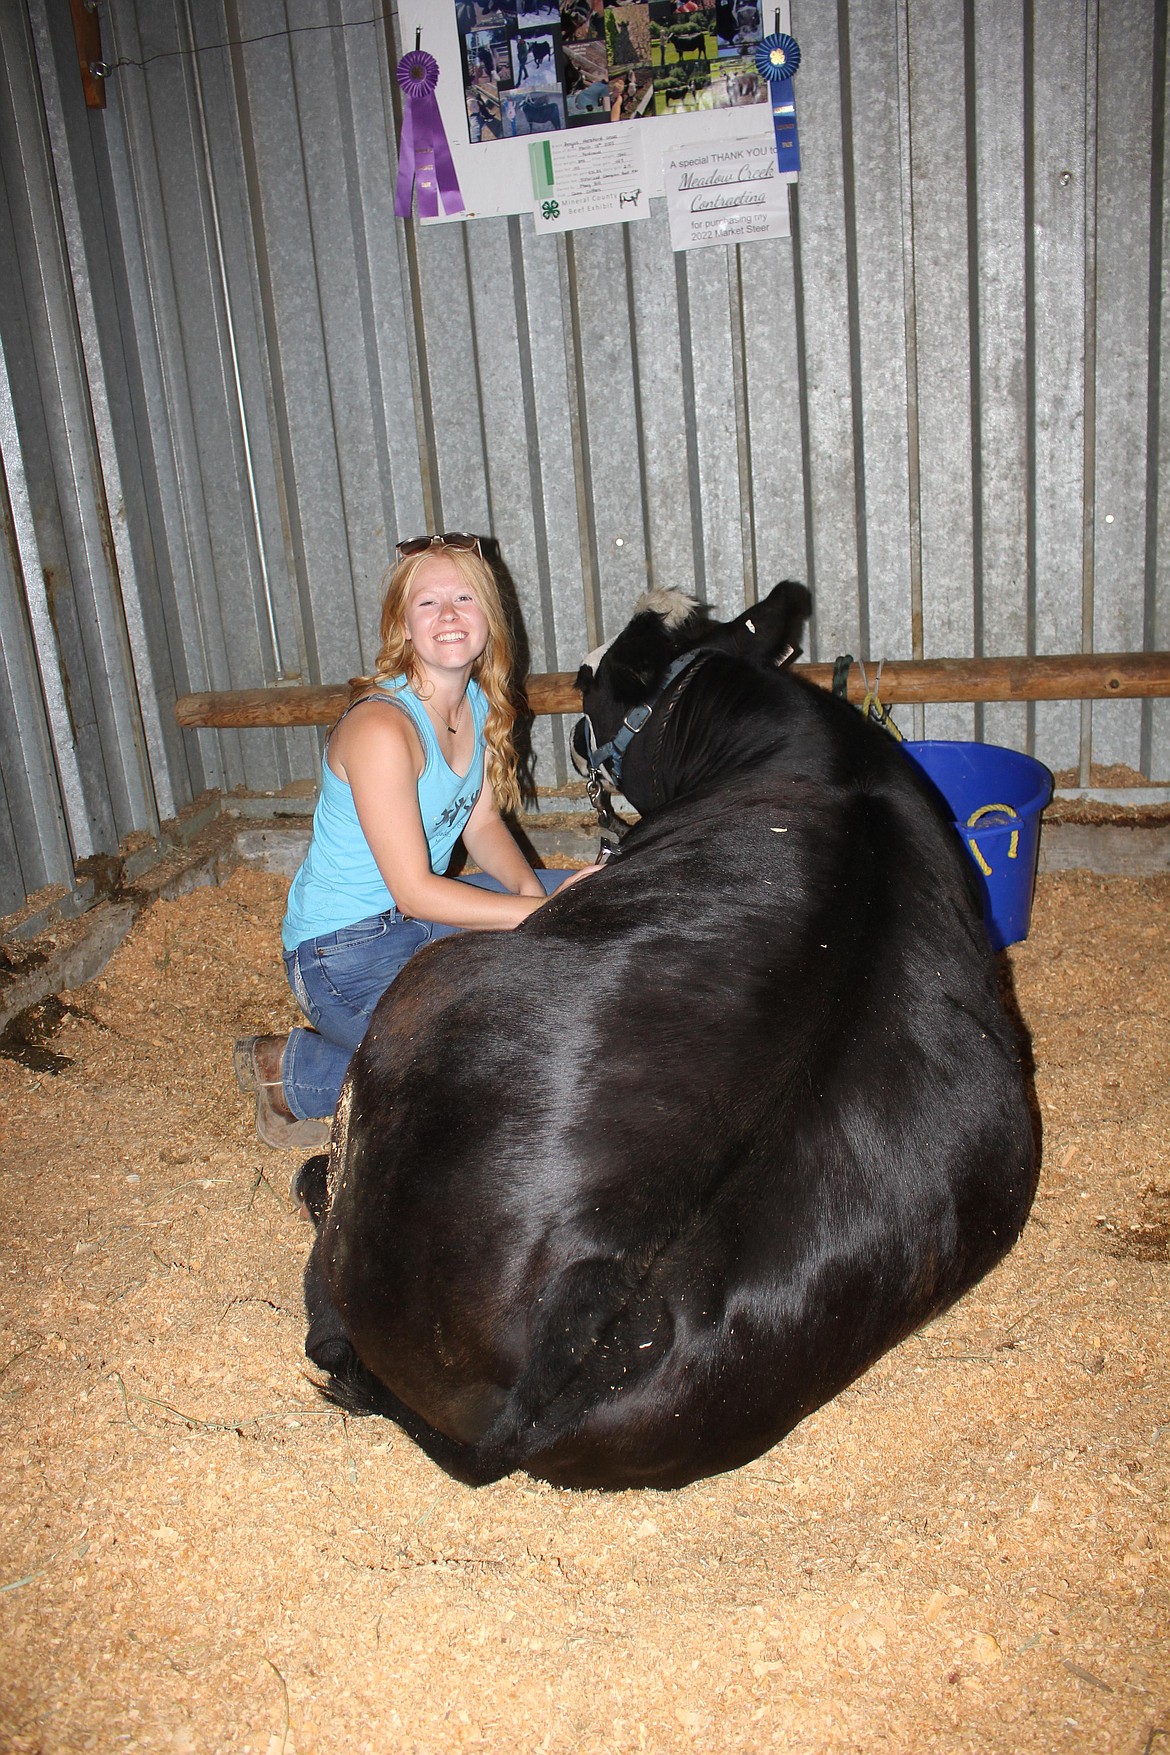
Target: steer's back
column 628, row 1192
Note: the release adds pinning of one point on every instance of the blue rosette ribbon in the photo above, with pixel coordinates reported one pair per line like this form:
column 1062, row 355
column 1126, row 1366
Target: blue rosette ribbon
column 777, row 58
column 424, row 156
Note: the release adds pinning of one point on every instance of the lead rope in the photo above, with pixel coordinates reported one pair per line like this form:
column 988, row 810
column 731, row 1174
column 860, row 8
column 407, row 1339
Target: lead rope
column 610, row 826
column 871, row 706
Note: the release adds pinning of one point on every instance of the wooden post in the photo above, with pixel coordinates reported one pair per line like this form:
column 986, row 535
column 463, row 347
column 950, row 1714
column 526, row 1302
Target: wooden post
column 87, row 34
column 1101, row 676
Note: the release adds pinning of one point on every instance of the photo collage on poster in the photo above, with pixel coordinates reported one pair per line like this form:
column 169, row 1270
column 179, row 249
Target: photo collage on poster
column 532, row 68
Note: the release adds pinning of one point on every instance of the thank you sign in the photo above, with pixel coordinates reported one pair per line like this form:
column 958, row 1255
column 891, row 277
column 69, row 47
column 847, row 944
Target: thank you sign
column 730, row 192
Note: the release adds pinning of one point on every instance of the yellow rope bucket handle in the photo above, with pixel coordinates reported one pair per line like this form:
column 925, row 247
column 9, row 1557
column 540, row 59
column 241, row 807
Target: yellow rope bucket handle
column 986, row 810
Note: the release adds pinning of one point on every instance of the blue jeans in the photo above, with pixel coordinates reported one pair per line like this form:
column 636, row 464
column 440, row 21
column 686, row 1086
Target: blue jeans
column 337, row 980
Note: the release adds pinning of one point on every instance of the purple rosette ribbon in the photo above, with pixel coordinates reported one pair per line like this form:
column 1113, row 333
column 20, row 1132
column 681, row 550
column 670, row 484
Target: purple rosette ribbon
column 424, row 157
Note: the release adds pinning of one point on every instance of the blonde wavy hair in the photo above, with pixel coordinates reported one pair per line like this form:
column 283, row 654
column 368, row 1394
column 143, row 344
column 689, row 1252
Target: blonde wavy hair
column 492, row 670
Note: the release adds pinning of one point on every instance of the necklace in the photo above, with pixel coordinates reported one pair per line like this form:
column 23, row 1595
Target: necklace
column 436, row 714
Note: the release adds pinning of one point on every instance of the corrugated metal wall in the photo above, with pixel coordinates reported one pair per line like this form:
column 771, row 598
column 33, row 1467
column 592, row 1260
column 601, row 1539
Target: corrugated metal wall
column 229, row 377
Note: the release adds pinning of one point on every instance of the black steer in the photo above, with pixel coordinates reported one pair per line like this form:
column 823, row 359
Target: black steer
column 620, row 1197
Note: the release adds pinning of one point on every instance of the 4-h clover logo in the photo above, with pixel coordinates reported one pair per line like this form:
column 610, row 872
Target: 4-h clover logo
column 550, row 210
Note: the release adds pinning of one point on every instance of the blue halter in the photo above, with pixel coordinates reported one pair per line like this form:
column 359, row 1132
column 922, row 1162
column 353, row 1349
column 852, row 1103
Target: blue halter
column 606, row 760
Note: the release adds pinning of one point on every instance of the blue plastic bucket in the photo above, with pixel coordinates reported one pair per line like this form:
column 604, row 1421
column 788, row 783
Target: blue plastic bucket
column 996, row 798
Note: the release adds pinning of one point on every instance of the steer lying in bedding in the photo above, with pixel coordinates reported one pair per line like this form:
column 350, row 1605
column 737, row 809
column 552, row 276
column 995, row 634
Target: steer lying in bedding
column 619, row 1197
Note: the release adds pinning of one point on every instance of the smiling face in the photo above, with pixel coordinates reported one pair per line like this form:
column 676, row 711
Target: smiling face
column 444, row 618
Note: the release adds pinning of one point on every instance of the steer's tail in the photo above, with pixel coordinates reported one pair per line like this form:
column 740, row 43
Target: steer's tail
column 601, row 1326
column 599, row 1330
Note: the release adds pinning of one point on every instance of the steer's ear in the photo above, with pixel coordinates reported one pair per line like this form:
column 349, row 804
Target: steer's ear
column 770, row 631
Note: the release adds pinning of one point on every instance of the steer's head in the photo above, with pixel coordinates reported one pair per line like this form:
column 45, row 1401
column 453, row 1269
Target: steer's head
column 632, row 684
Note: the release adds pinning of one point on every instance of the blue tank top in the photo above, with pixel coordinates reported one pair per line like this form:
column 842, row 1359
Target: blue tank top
column 339, row 882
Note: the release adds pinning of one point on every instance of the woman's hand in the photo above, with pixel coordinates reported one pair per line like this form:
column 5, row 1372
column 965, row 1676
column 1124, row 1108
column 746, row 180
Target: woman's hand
column 575, row 877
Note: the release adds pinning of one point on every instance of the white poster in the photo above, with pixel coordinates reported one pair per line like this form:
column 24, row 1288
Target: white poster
column 494, row 172
column 725, row 192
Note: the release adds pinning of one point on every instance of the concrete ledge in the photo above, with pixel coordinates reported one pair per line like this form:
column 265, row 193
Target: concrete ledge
column 55, row 949
column 275, row 847
column 86, row 950
column 280, row 847
column 1111, row 849
column 72, row 947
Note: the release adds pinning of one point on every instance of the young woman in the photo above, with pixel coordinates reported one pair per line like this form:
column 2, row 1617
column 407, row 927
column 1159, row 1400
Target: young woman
column 423, row 757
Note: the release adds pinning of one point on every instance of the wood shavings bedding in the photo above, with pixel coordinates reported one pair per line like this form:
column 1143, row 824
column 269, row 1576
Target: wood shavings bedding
column 967, row 1551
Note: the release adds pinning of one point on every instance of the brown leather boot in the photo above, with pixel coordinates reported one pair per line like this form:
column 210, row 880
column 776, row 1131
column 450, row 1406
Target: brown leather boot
column 258, row 1061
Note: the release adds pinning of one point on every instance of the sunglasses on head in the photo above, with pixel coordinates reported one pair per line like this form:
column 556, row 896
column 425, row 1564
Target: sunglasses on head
column 457, row 539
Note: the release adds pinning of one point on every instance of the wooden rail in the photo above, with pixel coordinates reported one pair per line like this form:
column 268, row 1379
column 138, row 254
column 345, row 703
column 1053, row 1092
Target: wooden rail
column 1101, row 676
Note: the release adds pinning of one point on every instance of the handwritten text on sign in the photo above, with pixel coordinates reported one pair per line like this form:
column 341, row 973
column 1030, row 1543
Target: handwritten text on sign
column 594, row 176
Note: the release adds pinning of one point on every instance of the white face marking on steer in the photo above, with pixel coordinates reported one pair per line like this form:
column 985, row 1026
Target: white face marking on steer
column 594, row 658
